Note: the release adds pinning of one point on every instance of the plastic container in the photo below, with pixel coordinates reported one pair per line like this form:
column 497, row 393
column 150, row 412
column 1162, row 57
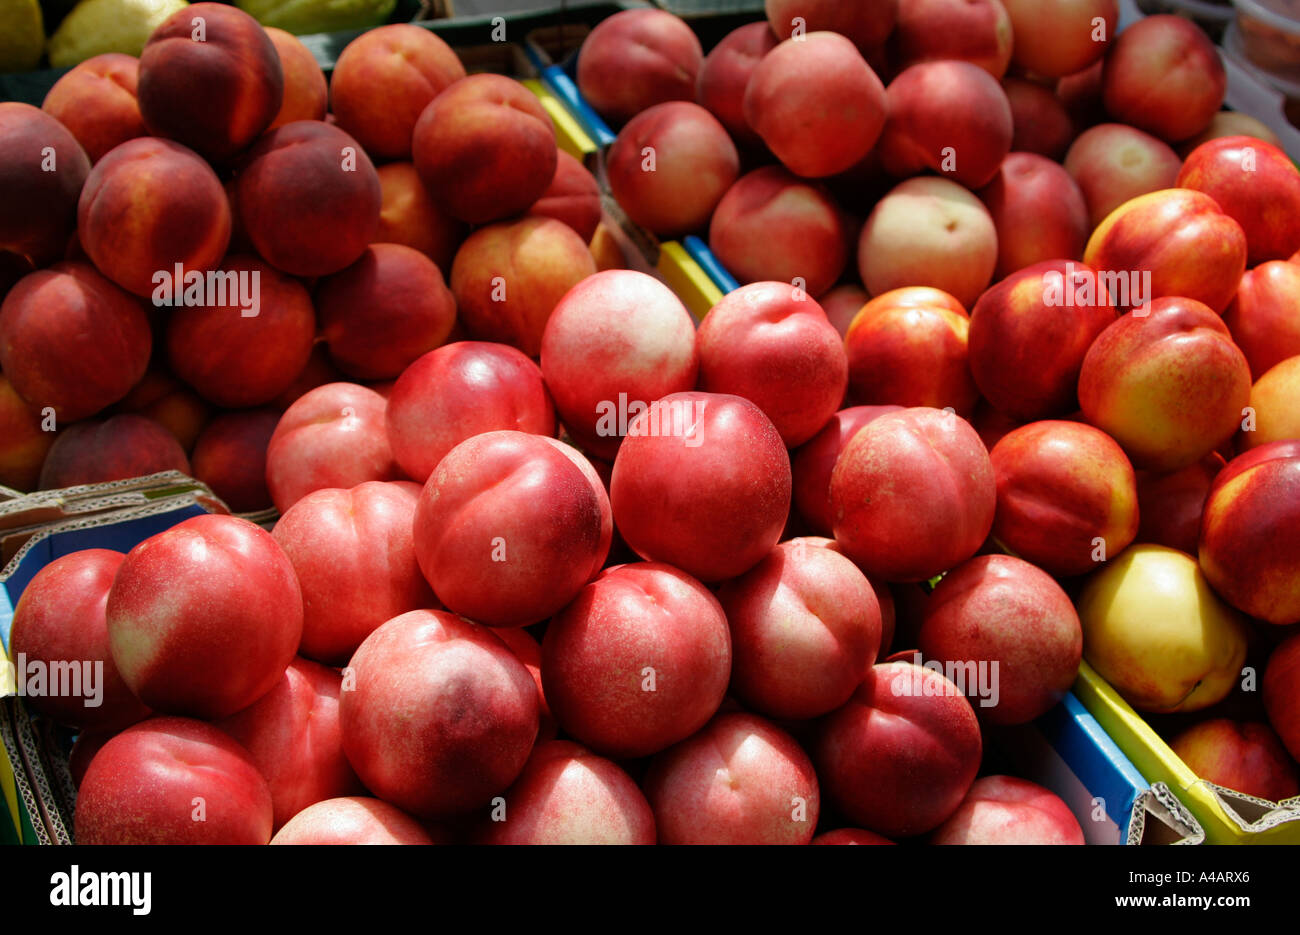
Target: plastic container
column 1286, row 80
column 1268, row 36
column 1211, row 16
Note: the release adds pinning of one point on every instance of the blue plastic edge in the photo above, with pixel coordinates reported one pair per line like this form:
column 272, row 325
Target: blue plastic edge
column 699, row 252
column 1090, row 753
column 120, row 537
column 563, row 87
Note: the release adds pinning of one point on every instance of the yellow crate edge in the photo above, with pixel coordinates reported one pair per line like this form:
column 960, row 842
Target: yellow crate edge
column 688, row 279
column 1158, row 763
column 568, row 132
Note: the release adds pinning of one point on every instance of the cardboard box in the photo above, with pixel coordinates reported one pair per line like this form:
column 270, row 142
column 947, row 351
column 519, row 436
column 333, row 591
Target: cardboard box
column 35, row 783
column 1227, row 816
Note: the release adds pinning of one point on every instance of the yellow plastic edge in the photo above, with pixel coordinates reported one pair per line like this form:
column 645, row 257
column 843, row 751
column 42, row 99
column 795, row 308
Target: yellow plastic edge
column 8, row 785
column 684, row 276
column 569, row 134
column 1158, row 763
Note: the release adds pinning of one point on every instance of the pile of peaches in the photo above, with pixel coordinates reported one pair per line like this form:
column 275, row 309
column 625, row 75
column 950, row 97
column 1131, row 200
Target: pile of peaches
column 553, row 563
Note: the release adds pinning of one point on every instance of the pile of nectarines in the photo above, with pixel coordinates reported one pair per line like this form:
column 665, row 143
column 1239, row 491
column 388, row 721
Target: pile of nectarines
column 1012, row 381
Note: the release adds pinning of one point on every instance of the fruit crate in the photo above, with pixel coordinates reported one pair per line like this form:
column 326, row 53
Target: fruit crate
column 1227, row 816
column 553, row 50
column 35, row 778
column 1067, row 750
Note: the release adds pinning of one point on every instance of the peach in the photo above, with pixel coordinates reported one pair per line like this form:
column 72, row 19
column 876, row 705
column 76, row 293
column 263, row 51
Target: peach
column 606, row 249
column 619, row 338
column 173, row 780
column 900, row 756
column 805, row 629
column 306, row 95
column 354, row 554
column 507, row 278
column 1230, row 123
column 215, row 92
column 96, row 102
column 319, row 371
column 1257, row 185
column 908, row 347
column 975, row 31
column 84, row 748
column 816, row 103
column 59, row 633
column 117, row 448
column 1163, row 75
column 72, row 341
column 568, row 795
column 636, row 59
column 204, row 617
column 458, row 391
column 292, row 733
column 230, row 457
column 813, row 463
column 1170, row 504
column 25, row 440
column 936, row 519
column 1029, row 335
column 1154, row 629
column 639, row 660
column 384, row 79
column 772, row 225
column 1241, row 756
column 1061, row 37
column 725, row 73
column 929, row 232
column 408, row 215
column 528, row 651
column 1249, row 549
column 1081, row 93
column 510, row 527
column 1038, row 211
column 332, row 436
column 950, row 117
column 867, row 24
column 842, row 305
column 1169, row 386
column 1041, row 123
column 1273, row 398
column 385, row 310
column 773, row 345
column 991, row 424
column 1003, row 615
column 670, row 166
column 1067, row 496
column 1007, row 810
column 1262, row 315
column 884, row 596
column 1281, row 700
column 164, row 399
column 148, row 206
column 351, row 820
column 740, row 780
column 1177, row 242
column 246, row 347
column 309, row 198
column 442, row 717
column 702, row 482
column 572, row 197
column 44, row 171
column 842, row 836
column 1114, row 163
column 485, row 148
